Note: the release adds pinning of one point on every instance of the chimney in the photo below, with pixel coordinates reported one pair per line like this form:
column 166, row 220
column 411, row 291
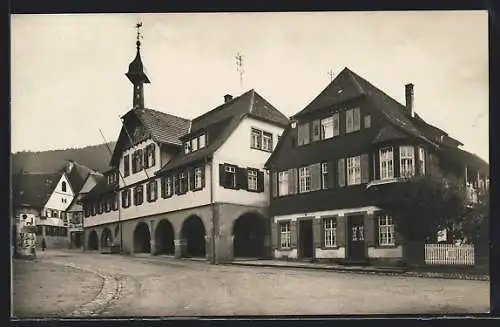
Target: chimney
column 409, row 99
column 227, row 98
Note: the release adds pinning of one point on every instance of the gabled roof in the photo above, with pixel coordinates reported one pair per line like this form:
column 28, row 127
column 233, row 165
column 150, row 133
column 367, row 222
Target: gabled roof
column 388, row 133
column 223, row 120
column 99, row 189
column 465, row 157
column 34, row 189
column 432, row 131
column 86, row 188
column 353, row 86
column 162, row 127
column 76, row 173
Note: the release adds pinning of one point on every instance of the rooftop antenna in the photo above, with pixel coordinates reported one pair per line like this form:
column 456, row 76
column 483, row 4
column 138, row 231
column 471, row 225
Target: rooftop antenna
column 239, row 68
column 331, row 74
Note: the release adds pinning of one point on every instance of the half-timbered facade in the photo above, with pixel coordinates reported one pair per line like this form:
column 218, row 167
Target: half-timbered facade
column 349, row 142
column 187, row 187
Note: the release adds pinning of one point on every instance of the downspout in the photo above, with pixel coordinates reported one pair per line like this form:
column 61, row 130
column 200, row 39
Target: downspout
column 212, row 205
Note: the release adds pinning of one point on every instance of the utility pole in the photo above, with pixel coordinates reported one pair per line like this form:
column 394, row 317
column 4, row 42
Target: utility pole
column 331, row 74
column 239, row 68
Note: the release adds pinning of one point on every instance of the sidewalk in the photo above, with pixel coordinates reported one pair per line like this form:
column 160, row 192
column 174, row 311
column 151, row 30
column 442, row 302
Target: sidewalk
column 390, row 271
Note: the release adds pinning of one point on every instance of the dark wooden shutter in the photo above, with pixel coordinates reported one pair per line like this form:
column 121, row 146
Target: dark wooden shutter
column 341, row 231
column 148, row 191
column 336, row 124
column 176, row 184
column 139, row 157
column 316, row 130
column 370, row 237
column 222, row 175
column 274, row 183
column 293, row 234
column 274, row 235
column 365, row 168
column 317, row 233
column 292, row 181
column 315, row 170
column 399, row 238
column 241, row 178
column 134, row 162
column 395, row 160
column 341, row 172
column 192, row 176
column 300, row 134
column 145, row 157
column 331, row 174
column 153, row 155
column 260, row 181
column 202, row 176
column 307, row 133
column 163, row 184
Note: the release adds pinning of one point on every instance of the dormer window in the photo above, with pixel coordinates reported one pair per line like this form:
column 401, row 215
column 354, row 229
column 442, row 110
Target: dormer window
column 149, row 156
column 202, row 140
column 187, row 147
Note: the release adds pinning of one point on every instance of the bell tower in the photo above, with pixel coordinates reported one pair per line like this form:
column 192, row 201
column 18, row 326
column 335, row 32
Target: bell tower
column 136, row 73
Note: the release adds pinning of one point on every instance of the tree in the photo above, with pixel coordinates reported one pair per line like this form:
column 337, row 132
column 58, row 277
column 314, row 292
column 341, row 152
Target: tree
column 422, row 205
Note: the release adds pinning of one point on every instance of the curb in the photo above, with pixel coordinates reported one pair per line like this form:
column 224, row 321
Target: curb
column 111, row 287
column 374, row 271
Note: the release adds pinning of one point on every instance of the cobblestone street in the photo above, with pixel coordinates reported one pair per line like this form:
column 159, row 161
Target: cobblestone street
column 112, row 285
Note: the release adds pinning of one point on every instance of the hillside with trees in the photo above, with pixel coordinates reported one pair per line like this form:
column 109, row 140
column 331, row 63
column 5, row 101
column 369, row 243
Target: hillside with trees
column 95, row 156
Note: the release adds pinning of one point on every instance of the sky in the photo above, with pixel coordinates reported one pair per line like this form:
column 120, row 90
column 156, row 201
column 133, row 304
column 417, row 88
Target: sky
column 68, row 71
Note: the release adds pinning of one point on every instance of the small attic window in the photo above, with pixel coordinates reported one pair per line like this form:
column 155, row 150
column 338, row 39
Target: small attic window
column 63, row 186
column 294, row 124
column 339, row 91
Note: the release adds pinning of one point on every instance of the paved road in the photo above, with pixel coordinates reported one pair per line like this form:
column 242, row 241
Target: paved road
column 159, row 286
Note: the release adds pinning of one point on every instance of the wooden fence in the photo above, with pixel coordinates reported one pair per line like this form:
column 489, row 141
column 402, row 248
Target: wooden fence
column 449, row 254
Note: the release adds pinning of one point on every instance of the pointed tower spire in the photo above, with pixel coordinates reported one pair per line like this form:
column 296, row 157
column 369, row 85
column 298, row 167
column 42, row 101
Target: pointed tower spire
column 136, row 73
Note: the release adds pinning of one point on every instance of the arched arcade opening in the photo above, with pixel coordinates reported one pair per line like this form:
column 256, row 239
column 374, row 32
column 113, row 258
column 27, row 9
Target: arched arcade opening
column 164, row 238
column 142, row 238
column 249, row 233
column 193, row 233
column 106, row 238
column 93, row 242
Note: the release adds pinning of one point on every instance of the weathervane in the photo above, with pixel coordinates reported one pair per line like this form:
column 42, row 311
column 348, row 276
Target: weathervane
column 331, row 74
column 139, row 33
column 239, row 67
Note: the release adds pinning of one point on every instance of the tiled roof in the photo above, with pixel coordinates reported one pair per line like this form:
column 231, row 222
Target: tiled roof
column 223, row 120
column 34, row 189
column 77, row 174
column 465, row 157
column 96, row 177
column 99, row 189
column 164, row 128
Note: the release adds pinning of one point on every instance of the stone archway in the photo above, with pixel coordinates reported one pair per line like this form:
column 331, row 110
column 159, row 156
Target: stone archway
column 164, row 238
column 142, row 238
column 93, row 243
column 193, row 233
column 106, row 238
column 249, row 232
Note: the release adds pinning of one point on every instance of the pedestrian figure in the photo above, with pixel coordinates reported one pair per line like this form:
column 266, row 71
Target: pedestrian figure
column 43, row 244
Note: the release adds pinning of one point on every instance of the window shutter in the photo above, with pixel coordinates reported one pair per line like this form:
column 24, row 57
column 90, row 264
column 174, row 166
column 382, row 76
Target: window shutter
column 192, row 174
column 356, row 119
column 260, row 181
column 145, row 157
column 317, row 233
column 331, row 174
column 274, row 235
column 336, row 124
column 202, row 176
column 315, row 176
column 139, row 157
column 300, row 134
column 163, row 184
column 341, row 172
column 292, row 181
column 176, row 184
column 148, row 192
column 316, row 130
column 398, row 236
column 222, row 176
column 134, row 162
column 153, row 155
column 341, row 231
column 274, row 183
column 365, row 168
column 241, row 178
column 370, row 230
column 293, row 234
column 306, row 133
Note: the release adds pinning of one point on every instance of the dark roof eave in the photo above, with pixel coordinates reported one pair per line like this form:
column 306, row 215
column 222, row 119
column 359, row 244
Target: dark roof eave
column 304, row 113
column 165, row 169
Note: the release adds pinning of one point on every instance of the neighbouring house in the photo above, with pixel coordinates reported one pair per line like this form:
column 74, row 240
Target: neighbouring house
column 189, row 188
column 338, row 157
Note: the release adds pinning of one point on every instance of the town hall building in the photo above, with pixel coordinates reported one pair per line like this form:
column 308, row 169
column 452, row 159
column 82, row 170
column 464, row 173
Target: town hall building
column 188, row 188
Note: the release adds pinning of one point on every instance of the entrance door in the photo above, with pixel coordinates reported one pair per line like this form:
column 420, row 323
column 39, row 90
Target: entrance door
column 356, row 239
column 306, row 246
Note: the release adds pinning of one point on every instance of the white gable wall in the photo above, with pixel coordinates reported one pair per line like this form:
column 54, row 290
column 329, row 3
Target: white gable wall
column 236, row 151
column 140, row 175
column 58, row 195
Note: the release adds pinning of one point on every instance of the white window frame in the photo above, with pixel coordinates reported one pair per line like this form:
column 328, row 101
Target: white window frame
column 324, row 175
column 354, row 170
column 197, row 178
column 330, row 230
column 285, row 234
column 267, row 141
column 187, row 147
column 283, row 183
column 231, row 170
column 252, row 180
column 256, row 139
column 326, row 126
column 349, row 117
column 386, row 156
column 182, row 182
column 151, row 150
column 168, row 186
column 407, row 161
column 386, row 236
column 421, row 159
column 304, row 179
column 202, row 141
column 194, row 144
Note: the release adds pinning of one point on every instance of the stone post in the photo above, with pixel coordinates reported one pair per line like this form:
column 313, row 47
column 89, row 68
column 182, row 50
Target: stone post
column 179, row 248
column 152, row 238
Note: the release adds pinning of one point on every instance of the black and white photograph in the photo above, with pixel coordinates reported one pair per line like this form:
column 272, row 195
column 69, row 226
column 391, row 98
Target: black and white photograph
column 249, row 164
